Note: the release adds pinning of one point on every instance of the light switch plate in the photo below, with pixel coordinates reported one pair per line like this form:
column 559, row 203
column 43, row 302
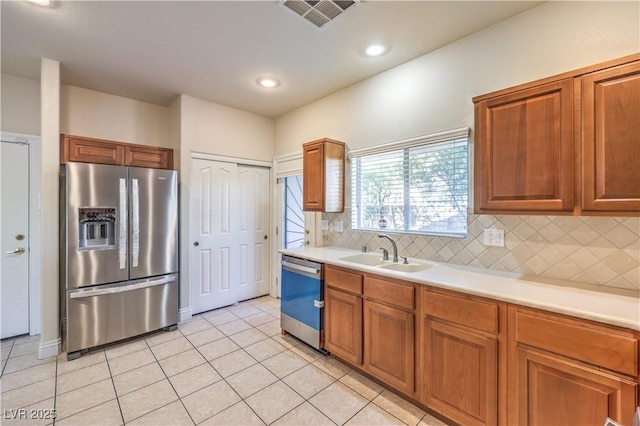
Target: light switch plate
column 337, row 226
column 324, row 225
column 494, row 237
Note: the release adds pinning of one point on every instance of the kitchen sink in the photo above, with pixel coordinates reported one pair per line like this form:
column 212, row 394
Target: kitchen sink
column 369, row 259
column 374, row 259
column 403, row 267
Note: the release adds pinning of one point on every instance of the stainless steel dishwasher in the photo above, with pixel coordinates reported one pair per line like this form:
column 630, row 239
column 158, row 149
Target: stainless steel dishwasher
column 302, row 313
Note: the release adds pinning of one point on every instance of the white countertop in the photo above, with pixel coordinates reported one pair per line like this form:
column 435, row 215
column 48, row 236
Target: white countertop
column 610, row 306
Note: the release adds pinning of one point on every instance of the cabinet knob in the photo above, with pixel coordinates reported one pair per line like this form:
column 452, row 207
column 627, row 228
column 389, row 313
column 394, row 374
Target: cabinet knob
column 196, row 244
column 265, row 237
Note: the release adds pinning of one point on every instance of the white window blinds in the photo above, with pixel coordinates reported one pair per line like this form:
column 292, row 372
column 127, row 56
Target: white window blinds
column 417, row 187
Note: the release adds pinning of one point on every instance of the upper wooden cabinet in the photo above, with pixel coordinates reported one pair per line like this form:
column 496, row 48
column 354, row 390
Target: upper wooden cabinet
column 90, row 150
column 568, row 144
column 323, row 164
column 524, row 150
column 611, row 139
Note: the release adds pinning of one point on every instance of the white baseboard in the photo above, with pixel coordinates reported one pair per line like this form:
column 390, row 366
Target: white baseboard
column 49, row 349
column 184, row 314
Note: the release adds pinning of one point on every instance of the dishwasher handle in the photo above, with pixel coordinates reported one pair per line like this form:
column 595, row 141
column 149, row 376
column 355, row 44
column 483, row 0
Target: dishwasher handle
column 300, row 268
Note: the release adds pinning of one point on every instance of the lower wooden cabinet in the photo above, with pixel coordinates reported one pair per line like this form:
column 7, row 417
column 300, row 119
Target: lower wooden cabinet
column 566, row 371
column 343, row 325
column 479, row 361
column 460, row 377
column 462, row 348
column 389, row 345
column 554, row 391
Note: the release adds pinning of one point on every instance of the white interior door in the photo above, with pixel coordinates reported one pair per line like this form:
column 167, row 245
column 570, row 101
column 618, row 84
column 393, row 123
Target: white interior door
column 229, row 220
column 254, row 244
column 14, row 236
column 214, row 257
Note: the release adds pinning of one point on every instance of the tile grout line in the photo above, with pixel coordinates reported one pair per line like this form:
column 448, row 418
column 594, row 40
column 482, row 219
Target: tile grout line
column 84, row 386
column 170, row 384
column 225, row 380
column 310, row 359
column 6, row 361
column 55, row 394
column 113, row 383
column 280, row 379
column 257, row 363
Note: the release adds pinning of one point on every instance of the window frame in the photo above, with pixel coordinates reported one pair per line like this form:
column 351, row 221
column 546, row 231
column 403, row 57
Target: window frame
column 405, row 146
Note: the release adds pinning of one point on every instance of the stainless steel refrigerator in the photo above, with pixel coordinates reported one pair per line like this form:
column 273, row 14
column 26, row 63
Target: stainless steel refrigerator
column 118, row 252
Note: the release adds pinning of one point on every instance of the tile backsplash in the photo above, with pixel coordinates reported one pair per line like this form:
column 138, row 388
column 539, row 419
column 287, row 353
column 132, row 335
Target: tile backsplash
column 594, row 250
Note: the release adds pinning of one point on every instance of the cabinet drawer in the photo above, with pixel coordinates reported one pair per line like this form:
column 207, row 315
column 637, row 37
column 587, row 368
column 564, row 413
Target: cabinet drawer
column 462, row 310
column 389, row 292
column 347, row 281
column 599, row 345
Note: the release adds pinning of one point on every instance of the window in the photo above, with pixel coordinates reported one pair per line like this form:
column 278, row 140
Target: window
column 418, row 186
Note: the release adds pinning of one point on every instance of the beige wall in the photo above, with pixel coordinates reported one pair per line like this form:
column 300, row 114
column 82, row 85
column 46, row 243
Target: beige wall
column 20, row 105
column 433, row 93
column 100, row 115
column 216, row 129
column 210, row 128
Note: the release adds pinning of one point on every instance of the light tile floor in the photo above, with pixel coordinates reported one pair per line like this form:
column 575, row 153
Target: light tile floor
column 229, row 366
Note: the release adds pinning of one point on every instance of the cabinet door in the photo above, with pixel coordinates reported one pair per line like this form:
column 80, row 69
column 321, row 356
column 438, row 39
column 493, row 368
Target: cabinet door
column 343, row 325
column 389, row 345
column 550, row 390
column 611, row 139
column 313, row 178
column 91, row 151
column 148, row 156
column 460, row 376
column 524, row 150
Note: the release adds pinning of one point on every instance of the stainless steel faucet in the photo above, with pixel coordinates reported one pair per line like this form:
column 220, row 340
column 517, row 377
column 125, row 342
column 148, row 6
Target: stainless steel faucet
column 393, row 243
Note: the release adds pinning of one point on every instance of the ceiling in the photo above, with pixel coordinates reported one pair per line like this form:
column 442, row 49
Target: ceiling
column 215, row 50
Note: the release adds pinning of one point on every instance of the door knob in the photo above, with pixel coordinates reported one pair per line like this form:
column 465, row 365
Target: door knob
column 196, row 244
column 19, row 250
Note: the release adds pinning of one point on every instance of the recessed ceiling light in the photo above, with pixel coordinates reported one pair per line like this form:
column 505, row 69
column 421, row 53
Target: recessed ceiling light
column 40, row 2
column 268, row 82
column 375, row 49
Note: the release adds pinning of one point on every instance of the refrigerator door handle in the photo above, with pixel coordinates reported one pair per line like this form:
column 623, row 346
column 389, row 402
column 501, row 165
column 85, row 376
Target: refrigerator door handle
column 135, row 222
column 120, row 289
column 122, row 228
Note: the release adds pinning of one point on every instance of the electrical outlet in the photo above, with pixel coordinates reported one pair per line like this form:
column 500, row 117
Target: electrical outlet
column 337, row 226
column 324, row 225
column 494, row 237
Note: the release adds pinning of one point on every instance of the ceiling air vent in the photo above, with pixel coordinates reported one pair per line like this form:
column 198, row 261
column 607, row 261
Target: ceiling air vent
column 318, row 12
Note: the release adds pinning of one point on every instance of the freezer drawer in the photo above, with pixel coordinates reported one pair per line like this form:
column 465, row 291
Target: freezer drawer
column 105, row 314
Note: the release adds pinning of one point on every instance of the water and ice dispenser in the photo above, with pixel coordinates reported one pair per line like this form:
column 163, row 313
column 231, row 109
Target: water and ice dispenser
column 97, row 228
